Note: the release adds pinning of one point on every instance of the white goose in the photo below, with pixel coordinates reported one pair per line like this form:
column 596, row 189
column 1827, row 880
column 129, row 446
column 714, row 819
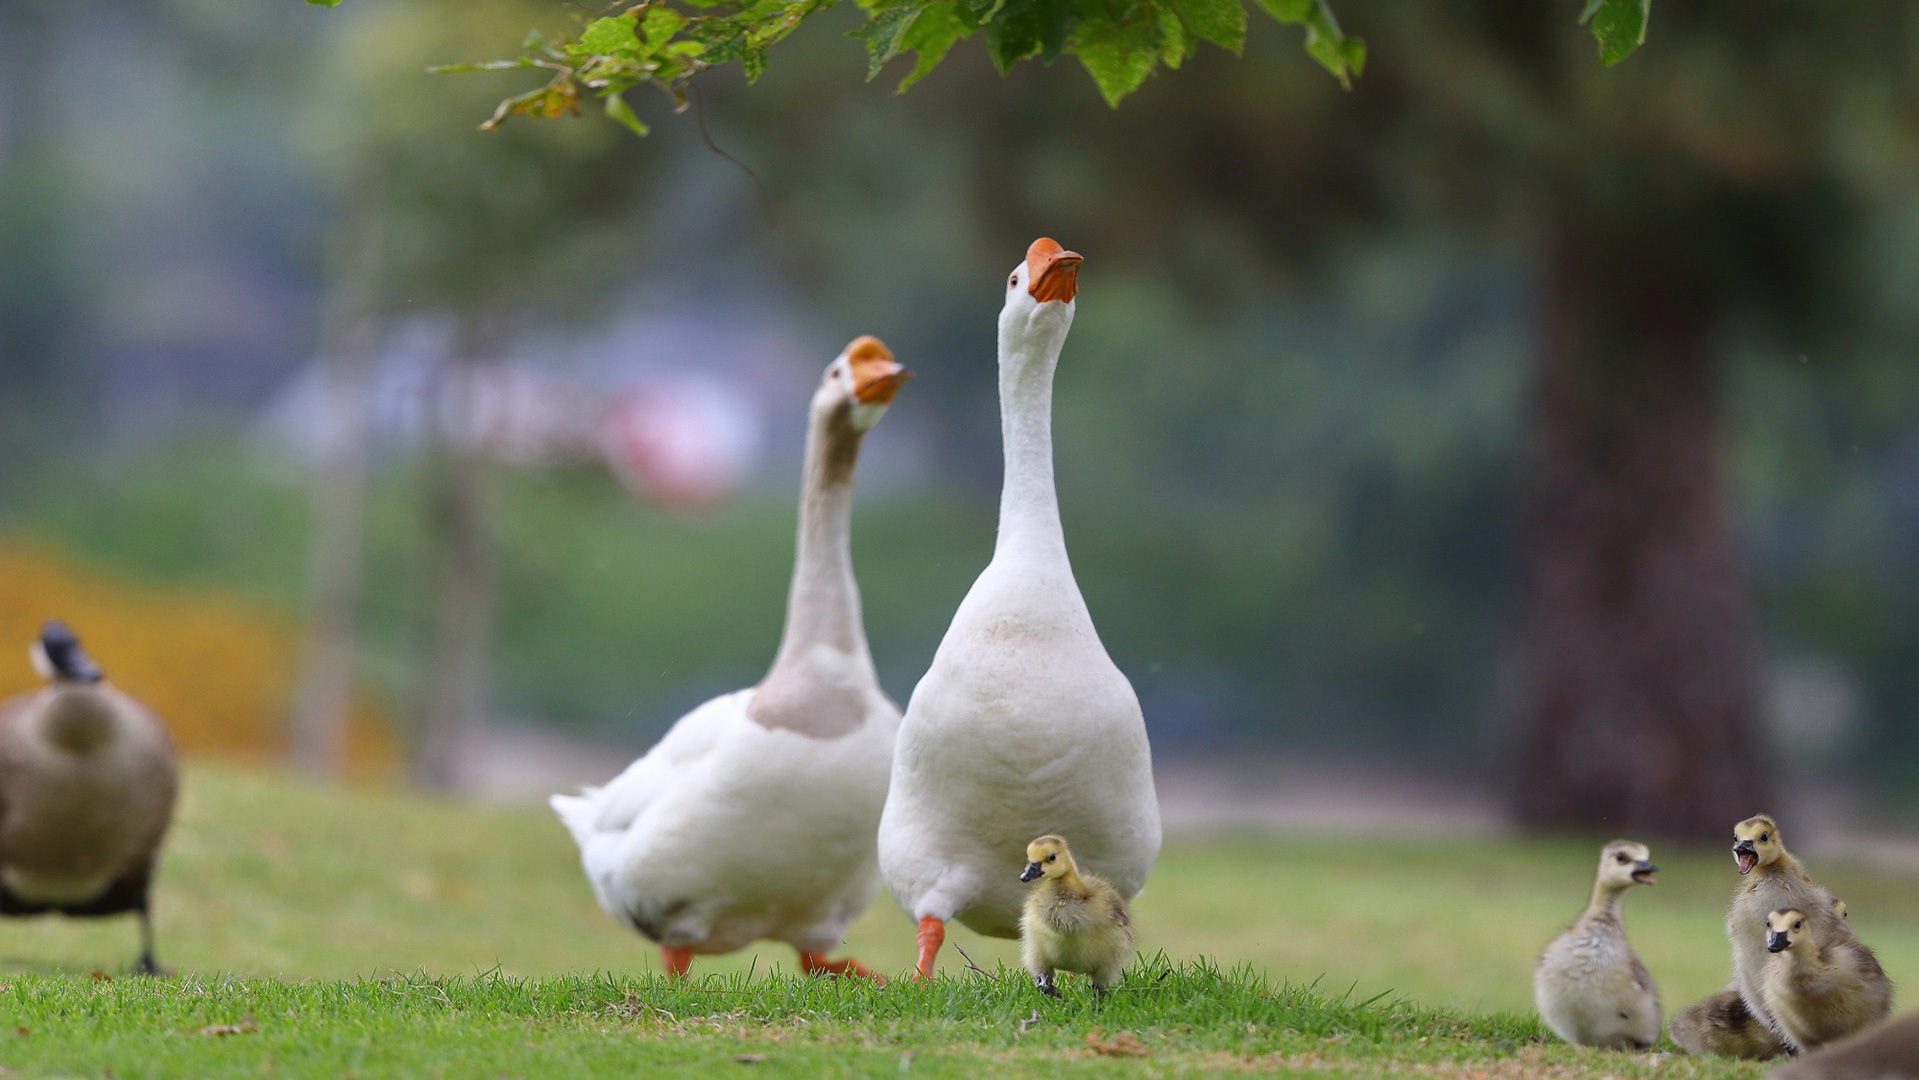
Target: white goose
column 754, row 816
column 1022, row 726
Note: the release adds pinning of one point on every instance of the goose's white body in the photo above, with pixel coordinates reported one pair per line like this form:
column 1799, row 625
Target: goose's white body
column 754, row 816
column 728, row 832
column 1023, row 725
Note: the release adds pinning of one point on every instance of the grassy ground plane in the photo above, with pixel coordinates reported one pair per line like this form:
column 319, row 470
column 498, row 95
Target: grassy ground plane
column 1163, row 1020
column 376, row 933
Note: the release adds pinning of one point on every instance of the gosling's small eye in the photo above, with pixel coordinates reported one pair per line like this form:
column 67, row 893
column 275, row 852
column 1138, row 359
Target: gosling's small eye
column 1623, row 858
column 1050, row 858
column 1765, row 836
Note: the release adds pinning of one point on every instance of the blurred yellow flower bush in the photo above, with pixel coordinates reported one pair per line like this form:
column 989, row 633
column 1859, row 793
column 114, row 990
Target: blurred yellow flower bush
column 218, row 670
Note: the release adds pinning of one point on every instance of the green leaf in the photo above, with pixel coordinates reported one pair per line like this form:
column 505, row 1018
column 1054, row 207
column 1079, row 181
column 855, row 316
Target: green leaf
column 1119, row 55
column 617, row 35
column 885, row 34
column 1222, row 22
column 660, row 24
column 618, row 109
column 490, row 65
column 939, row 27
column 980, row 12
column 1619, row 26
column 1174, row 45
column 1339, row 53
column 1015, row 35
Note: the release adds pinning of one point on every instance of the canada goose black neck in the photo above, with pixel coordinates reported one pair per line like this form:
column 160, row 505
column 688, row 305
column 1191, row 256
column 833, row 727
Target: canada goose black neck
column 65, row 660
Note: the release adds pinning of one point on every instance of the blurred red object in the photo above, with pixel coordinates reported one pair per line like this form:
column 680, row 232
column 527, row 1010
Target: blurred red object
column 682, row 441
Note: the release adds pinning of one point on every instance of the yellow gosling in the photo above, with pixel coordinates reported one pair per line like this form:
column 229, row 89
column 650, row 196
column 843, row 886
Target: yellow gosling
column 1072, row 921
column 1775, row 879
column 1820, row 987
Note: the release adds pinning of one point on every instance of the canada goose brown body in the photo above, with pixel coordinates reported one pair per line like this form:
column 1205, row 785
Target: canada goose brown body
column 1889, row 1051
column 88, row 778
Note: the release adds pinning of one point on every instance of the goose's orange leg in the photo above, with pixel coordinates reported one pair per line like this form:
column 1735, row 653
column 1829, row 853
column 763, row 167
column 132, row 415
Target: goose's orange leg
column 932, row 936
column 677, row 961
column 818, row 964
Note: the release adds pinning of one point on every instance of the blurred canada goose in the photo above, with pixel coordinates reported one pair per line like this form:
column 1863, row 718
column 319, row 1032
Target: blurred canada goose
column 87, row 782
column 1072, row 922
column 1776, row 879
column 1888, row 1051
column 1722, row 1024
column 1820, row 988
column 1589, row 984
column 754, row 816
column 1022, row 726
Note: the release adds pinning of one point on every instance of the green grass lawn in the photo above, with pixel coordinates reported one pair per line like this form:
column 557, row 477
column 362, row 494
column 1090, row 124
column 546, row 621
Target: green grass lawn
column 377, row 933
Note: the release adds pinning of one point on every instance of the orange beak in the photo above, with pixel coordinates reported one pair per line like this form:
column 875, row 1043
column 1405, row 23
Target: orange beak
column 876, row 375
column 1052, row 272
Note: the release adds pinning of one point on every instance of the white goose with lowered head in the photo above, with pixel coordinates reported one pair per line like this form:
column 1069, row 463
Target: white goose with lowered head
column 754, row 816
column 1023, row 726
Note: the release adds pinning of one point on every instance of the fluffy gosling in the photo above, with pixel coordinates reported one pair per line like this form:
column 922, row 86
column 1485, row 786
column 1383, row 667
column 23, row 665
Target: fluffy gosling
column 1820, row 988
column 1775, row 880
column 1722, row 1024
column 1072, row 922
column 1589, row 985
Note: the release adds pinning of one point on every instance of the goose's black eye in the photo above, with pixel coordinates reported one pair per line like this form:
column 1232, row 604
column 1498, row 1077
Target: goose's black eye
column 1012, row 281
column 1050, row 858
column 1765, row 836
column 1623, row 858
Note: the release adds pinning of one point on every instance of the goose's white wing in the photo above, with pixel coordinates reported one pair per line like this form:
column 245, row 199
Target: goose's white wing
column 598, row 813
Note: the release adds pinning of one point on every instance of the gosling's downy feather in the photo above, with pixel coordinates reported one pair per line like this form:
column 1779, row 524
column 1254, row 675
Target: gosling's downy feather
column 1775, row 879
column 1722, row 1024
column 1821, row 987
column 1589, row 985
column 1072, row 921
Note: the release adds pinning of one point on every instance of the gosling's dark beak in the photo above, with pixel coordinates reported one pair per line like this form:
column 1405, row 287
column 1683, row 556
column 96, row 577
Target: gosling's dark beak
column 1643, row 871
column 1746, row 856
column 1777, row 941
column 1032, row 871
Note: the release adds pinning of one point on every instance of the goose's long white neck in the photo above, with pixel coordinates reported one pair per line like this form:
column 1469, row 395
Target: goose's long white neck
column 823, row 604
column 1029, row 524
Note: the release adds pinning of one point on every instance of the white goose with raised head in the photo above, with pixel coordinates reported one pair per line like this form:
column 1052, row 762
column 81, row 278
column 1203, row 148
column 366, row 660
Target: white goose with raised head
column 88, row 778
column 1023, row 726
column 754, row 816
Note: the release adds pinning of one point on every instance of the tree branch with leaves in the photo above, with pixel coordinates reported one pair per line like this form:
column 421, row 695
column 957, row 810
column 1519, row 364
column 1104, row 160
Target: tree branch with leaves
column 1120, row 43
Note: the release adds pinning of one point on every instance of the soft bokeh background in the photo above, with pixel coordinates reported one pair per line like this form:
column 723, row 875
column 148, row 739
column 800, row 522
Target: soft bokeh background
column 275, row 317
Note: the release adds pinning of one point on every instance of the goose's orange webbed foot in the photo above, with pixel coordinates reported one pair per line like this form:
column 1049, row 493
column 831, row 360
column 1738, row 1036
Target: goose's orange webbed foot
column 932, row 936
column 818, row 964
column 677, row 961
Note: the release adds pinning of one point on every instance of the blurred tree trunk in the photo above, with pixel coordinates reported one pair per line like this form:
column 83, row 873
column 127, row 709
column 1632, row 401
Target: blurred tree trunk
column 1634, row 656
column 323, row 702
column 457, row 695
